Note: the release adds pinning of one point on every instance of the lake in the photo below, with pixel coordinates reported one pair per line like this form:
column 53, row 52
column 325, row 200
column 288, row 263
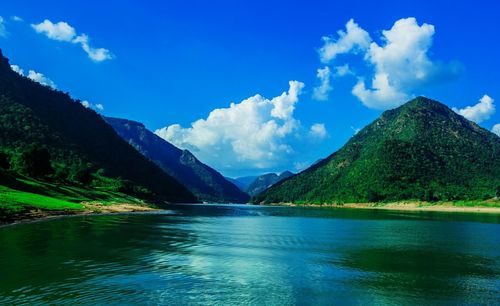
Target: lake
column 239, row 254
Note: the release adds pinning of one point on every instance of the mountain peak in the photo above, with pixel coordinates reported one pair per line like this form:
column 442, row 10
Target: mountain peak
column 421, row 150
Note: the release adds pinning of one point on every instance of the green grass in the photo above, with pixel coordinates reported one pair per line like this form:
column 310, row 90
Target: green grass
column 22, row 194
column 14, row 201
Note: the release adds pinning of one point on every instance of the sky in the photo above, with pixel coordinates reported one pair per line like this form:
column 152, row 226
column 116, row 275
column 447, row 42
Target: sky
column 259, row 86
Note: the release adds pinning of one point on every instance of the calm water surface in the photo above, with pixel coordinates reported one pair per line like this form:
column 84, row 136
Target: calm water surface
column 209, row 254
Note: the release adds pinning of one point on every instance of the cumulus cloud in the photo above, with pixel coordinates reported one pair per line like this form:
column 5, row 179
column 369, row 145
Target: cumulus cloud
column 354, row 39
column 254, row 133
column 318, row 130
column 62, row 31
column 3, row 30
column 86, row 104
column 401, row 63
column 480, row 112
column 496, row 129
column 321, row 92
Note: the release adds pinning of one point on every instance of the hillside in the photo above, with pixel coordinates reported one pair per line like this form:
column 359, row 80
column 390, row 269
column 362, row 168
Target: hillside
column 421, row 150
column 206, row 183
column 265, row 181
column 45, row 135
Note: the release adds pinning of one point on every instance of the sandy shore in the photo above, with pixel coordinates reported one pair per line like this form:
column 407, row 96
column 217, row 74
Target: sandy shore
column 91, row 208
column 407, row 206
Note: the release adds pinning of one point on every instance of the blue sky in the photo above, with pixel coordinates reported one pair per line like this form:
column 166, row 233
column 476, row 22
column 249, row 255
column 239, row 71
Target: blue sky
column 170, row 64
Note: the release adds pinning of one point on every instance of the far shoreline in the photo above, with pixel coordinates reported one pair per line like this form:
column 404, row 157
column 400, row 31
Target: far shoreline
column 446, row 207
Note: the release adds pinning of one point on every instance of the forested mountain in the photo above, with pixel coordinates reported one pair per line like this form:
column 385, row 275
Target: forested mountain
column 421, row 150
column 47, row 135
column 265, row 181
column 206, row 183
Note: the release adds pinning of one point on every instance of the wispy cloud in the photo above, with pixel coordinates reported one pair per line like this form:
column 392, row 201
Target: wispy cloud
column 3, row 30
column 62, row 31
column 323, row 90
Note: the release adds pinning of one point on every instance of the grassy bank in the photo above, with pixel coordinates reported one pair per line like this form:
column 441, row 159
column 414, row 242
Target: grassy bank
column 30, row 199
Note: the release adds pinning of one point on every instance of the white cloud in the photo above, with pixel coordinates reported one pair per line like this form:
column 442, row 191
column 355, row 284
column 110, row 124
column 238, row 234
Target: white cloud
column 321, row 92
column 96, row 54
column 62, row 31
column 97, row 107
column 254, row 133
column 496, row 129
column 17, row 18
column 318, row 130
column 3, row 30
column 480, row 112
column 17, row 69
column 353, row 39
column 401, row 65
column 34, row 76
column 40, row 78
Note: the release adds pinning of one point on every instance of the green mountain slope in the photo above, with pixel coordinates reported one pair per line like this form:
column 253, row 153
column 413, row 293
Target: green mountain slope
column 265, row 181
column 421, row 150
column 47, row 135
column 206, row 183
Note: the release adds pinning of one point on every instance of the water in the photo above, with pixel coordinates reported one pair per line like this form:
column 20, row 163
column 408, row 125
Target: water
column 237, row 254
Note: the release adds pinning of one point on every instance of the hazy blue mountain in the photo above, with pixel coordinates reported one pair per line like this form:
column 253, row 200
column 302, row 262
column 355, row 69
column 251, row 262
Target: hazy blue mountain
column 206, row 183
column 263, row 182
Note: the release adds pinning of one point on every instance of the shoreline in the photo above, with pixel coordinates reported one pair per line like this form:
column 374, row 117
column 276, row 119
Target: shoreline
column 91, row 209
column 404, row 206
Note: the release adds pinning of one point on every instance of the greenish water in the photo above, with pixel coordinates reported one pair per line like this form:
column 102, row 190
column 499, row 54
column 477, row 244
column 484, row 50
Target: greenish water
column 209, row 254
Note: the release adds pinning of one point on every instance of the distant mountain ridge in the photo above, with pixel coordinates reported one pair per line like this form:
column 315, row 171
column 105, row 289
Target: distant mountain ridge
column 263, row 182
column 206, row 183
column 421, row 150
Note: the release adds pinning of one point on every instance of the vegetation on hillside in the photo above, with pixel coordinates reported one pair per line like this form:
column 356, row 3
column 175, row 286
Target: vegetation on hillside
column 419, row 151
column 46, row 136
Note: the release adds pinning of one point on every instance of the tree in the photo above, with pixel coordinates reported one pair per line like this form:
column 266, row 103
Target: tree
column 4, row 160
column 35, row 161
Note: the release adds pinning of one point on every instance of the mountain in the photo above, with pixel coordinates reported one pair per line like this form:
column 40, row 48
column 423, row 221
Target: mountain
column 243, row 182
column 421, row 150
column 206, row 183
column 241, row 186
column 49, row 136
column 265, row 181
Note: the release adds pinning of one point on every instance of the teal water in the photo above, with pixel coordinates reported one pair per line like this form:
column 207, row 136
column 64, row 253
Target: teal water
column 233, row 255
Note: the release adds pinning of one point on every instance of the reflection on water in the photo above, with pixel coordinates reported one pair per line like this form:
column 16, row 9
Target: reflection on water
column 210, row 254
